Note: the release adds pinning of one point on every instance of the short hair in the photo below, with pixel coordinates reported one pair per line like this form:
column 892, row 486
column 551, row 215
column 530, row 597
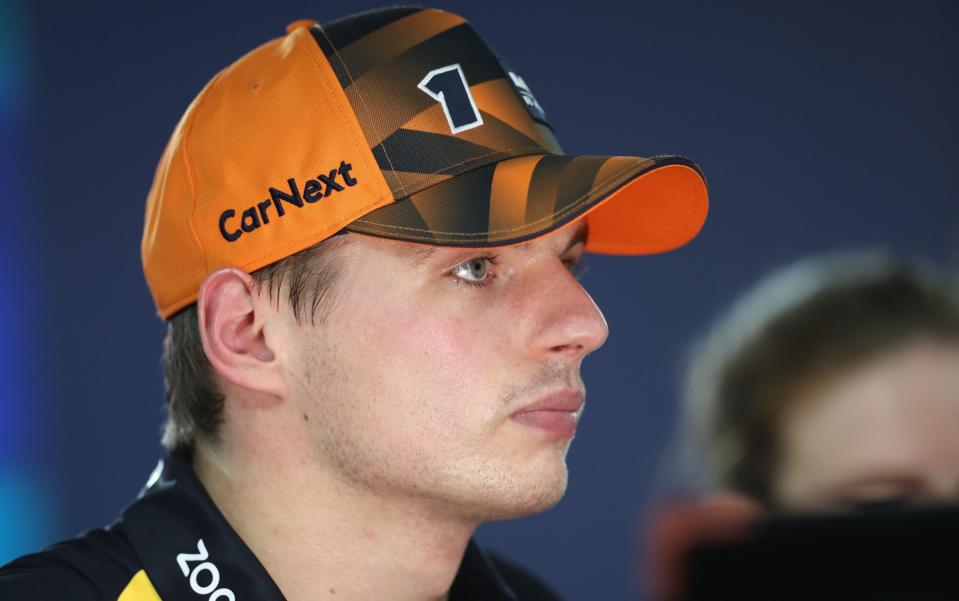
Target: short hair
column 193, row 400
column 818, row 318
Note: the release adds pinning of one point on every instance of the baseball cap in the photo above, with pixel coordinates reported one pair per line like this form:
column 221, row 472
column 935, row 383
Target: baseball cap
column 401, row 123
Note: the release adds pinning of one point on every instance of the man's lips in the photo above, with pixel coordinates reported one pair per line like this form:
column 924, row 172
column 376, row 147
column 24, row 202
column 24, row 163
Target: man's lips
column 556, row 413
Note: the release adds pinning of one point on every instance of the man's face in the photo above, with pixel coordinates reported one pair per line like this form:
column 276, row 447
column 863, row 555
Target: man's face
column 411, row 383
column 885, row 431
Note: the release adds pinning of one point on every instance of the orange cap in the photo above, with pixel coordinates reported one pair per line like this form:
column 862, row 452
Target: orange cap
column 399, row 123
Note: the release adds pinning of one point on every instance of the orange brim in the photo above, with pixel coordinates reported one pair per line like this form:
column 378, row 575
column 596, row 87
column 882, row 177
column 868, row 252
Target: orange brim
column 658, row 210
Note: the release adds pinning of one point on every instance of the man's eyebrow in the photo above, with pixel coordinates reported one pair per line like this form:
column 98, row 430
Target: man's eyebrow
column 421, row 254
column 581, row 235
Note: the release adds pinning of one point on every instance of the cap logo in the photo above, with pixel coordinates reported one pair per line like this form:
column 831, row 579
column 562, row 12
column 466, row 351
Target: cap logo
column 447, row 85
column 259, row 214
column 531, row 103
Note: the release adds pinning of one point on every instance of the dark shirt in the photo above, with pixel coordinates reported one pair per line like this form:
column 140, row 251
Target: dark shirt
column 173, row 544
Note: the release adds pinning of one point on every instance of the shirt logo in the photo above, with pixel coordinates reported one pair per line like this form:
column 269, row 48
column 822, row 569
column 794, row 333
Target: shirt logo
column 258, row 215
column 212, row 580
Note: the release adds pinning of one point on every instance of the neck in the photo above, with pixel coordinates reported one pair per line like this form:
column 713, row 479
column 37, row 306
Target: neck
column 319, row 538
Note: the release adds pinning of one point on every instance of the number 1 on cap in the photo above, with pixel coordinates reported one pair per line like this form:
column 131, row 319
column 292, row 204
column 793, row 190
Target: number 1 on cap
column 447, row 85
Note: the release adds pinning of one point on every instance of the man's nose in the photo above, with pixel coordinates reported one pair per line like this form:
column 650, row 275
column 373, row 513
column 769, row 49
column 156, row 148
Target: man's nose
column 566, row 321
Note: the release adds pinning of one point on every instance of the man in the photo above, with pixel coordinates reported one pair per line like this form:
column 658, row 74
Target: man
column 362, row 235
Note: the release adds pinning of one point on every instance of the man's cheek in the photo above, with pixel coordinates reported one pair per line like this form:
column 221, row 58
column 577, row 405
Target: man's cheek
column 450, row 359
column 435, row 341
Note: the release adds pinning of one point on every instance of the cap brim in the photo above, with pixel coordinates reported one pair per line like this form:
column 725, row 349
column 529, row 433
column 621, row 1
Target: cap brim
column 632, row 205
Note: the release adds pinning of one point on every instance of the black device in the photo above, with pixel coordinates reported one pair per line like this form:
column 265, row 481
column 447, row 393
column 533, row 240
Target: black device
column 889, row 555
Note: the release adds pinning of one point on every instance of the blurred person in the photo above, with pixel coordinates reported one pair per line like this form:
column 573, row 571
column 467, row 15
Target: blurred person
column 363, row 236
column 832, row 385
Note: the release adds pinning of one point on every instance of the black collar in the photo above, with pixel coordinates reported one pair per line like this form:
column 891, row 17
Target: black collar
column 188, row 548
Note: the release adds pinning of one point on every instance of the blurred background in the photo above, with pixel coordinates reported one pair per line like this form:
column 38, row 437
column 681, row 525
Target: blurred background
column 820, row 126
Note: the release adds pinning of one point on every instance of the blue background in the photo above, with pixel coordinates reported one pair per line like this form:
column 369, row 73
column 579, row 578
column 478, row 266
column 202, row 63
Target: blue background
column 820, row 125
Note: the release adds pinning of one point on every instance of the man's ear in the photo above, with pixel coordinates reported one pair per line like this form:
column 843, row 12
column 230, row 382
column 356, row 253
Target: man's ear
column 233, row 319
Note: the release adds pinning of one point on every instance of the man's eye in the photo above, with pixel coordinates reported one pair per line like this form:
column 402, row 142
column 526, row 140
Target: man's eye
column 576, row 267
column 474, row 271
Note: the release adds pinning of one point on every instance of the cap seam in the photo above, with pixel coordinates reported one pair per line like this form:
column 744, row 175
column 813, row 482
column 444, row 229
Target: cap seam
column 189, row 171
column 335, row 101
column 366, row 111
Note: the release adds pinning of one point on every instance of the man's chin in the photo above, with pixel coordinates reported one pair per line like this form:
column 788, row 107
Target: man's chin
column 535, row 496
column 545, row 501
